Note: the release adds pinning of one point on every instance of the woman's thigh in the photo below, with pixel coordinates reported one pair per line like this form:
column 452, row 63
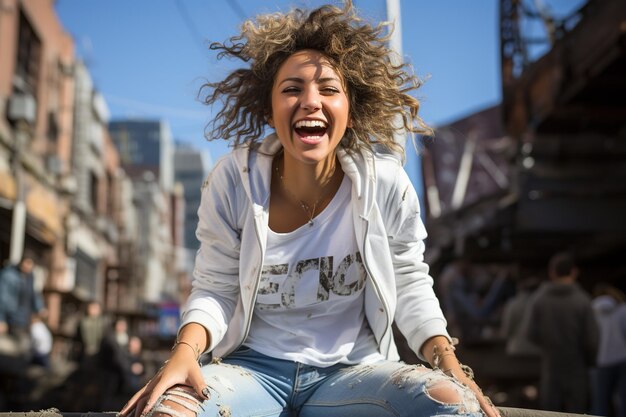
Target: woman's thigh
column 391, row 389
column 233, row 391
column 236, row 391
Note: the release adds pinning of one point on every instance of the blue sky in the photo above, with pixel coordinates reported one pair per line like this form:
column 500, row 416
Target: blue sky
column 149, row 57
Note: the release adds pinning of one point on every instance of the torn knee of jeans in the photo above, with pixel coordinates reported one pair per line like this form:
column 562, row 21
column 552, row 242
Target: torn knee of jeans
column 448, row 392
column 179, row 401
column 444, row 391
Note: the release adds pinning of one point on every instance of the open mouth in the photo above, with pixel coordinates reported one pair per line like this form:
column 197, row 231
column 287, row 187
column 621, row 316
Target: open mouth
column 310, row 129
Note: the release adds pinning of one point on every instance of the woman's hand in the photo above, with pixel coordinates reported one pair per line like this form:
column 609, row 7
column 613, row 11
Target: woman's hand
column 485, row 403
column 181, row 369
column 440, row 354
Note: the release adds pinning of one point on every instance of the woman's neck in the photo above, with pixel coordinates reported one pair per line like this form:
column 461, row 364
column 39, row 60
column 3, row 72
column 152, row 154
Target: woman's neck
column 308, row 182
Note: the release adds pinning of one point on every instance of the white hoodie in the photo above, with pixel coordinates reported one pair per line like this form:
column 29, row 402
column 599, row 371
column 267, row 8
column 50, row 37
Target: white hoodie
column 232, row 229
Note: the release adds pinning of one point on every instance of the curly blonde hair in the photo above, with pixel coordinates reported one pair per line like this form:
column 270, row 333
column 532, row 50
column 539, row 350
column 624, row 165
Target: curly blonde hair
column 377, row 88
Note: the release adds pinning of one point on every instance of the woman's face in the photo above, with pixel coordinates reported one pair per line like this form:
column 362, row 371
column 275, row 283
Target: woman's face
column 310, row 107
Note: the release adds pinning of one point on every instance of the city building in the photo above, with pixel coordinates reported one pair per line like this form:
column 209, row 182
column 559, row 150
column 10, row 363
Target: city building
column 145, row 145
column 146, row 154
column 191, row 167
column 36, row 114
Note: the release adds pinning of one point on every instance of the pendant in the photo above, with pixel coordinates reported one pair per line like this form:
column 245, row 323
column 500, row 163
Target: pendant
column 311, row 223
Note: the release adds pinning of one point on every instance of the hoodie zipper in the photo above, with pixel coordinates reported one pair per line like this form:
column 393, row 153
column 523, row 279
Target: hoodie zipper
column 376, row 288
column 256, row 290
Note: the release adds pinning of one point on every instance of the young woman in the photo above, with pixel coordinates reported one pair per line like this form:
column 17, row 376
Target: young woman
column 311, row 241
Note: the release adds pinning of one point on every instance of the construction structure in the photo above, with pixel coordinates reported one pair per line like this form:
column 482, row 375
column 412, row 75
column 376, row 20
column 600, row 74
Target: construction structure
column 546, row 170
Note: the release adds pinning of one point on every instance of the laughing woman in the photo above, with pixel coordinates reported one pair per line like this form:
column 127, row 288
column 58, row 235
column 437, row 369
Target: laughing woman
column 311, row 240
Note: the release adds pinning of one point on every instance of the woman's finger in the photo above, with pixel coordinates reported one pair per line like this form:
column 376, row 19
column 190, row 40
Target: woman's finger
column 196, row 380
column 485, row 403
column 132, row 402
column 159, row 389
column 136, row 400
column 140, row 409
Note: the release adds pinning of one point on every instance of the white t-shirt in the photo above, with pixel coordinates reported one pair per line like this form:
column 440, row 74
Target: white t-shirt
column 309, row 307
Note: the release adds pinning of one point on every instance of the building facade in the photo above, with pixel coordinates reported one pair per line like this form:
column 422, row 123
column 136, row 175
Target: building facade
column 36, row 113
column 95, row 231
column 145, row 145
column 191, row 167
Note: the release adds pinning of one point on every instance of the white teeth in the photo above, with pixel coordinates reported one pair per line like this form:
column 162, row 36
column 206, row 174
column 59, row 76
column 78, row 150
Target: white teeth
column 310, row 123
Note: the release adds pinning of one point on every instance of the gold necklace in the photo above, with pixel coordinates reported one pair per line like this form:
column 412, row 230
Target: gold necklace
column 303, row 205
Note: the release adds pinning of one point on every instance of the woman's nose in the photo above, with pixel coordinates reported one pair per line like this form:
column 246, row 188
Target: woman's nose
column 311, row 100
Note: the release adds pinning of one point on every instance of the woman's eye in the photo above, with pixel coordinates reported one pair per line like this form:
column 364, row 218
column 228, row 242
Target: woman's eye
column 330, row 90
column 291, row 90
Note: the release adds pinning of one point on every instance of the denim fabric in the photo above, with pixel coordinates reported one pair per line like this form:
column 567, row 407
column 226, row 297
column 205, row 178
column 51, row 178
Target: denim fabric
column 250, row 384
column 608, row 390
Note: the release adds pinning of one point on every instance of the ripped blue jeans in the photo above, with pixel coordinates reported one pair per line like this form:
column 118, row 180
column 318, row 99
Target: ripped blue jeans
column 250, row 384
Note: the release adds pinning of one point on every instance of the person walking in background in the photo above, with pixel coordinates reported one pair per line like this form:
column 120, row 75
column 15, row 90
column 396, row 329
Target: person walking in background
column 514, row 331
column 312, row 242
column 563, row 326
column 19, row 301
column 115, row 361
column 516, row 319
column 608, row 378
column 90, row 332
column 135, row 371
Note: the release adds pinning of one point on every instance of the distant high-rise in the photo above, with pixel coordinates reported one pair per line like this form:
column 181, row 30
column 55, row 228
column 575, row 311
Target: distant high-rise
column 145, row 145
column 190, row 168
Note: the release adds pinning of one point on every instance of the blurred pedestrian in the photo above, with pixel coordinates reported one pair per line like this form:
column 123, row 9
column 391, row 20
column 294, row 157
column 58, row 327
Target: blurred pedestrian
column 89, row 334
column 516, row 319
column 19, row 301
column 471, row 297
column 609, row 376
column 563, row 326
column 135, row 371
column 114, row 362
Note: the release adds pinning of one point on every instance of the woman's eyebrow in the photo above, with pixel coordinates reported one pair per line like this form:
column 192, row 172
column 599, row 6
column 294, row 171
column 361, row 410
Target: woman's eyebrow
column 294, row 79
column 301, row 81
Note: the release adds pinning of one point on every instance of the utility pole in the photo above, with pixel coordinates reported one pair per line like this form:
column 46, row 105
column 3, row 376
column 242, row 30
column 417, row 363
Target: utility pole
column 413, row 160
column 18, row 219
column 395, row 44
column 22, row 111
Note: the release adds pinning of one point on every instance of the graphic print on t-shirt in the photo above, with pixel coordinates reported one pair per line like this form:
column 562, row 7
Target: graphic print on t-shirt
column 280, row 289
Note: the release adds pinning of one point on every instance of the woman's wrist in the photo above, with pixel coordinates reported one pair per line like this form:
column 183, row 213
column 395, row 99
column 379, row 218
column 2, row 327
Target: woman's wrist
column 194, row 338
column 192, row 347
column 441, row 352
column 437, row 348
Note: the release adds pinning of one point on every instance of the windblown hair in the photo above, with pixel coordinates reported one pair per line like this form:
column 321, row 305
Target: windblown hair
column 377, row 88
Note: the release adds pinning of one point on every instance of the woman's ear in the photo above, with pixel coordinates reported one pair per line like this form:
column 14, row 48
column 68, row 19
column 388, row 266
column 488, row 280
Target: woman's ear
column 270, row 122
column 349, row 125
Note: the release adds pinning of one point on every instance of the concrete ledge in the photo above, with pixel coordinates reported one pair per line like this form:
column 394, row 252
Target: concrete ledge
column 523, row 412
column 52, row 412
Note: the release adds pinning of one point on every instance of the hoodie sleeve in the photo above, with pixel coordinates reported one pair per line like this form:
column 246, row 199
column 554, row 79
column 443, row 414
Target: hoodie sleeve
column 418, row 314
column 215, row 283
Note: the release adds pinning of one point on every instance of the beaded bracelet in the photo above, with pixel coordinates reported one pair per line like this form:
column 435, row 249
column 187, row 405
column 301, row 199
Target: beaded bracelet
column 196, row 349
column 438, row 355
column 448, row 350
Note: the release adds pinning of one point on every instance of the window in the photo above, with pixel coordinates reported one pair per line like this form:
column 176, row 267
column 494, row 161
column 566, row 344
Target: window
column 93, row 190
column 28, row 58
column 52, row 133
column 111, row 196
